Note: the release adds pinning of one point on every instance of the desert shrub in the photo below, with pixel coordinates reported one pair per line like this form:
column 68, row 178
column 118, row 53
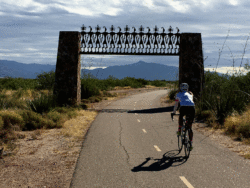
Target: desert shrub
column 11, row 118
column 1, row 123
column 172, row 94
column 130, row 81
column 46, row 80
column 68, row 111
column 54, row 116
column 17, row 83
column 107, row 94
column 243, row 130
column 62, row 109
column 219, row 96
column 72, row 114
column 206, row 114
column 57, row 118
column 158, row 83
column 34, row 120
column 42, row 104
column 89, row 88
column 143, row 81
column 109, row 83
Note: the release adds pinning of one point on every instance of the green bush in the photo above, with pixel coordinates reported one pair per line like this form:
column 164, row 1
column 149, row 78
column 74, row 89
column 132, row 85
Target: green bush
column 1, row 123
column 62, row 110
column 172, row 94
column 17, row 83
column 44, row 103
column 89, row 88
column 72, row 114
column 243, row 130
column 46, row 80
column 158, row 83
column 57, row 118
column 54, row 116
column 220, row 95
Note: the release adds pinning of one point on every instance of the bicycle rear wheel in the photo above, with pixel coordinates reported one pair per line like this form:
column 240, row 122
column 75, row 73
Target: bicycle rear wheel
column 187, row 144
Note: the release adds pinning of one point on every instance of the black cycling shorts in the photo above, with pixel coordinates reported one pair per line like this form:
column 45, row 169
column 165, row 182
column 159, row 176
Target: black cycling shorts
column 189, row 111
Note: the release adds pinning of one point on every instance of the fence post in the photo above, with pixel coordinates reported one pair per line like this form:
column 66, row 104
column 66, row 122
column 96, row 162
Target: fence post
column 191, row 68
column 67, row 87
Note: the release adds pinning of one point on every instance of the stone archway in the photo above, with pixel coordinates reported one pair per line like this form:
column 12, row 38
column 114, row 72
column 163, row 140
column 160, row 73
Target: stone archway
column 188, row 46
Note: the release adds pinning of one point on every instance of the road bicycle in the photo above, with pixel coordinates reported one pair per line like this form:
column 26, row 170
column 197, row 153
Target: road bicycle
column 183, row 139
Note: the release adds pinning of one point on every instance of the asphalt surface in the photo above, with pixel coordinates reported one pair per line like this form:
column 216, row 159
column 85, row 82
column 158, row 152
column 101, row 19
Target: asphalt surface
column 133, row 143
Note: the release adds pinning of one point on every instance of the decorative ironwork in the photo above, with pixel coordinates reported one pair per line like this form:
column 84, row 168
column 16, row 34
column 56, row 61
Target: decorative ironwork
column 135, row 43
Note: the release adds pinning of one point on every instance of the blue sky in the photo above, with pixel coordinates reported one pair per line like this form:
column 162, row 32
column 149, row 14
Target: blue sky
column 29, row 29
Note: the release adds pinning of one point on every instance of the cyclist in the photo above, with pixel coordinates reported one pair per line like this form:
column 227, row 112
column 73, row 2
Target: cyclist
column 185, row 99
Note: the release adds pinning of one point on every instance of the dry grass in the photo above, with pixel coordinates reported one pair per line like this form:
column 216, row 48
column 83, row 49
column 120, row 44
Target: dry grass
column 247, row 156
column 28, row 94
column 239, row 125
column 77, row 127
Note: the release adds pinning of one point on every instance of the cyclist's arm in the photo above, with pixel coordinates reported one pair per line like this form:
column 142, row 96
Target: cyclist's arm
column 176, row 105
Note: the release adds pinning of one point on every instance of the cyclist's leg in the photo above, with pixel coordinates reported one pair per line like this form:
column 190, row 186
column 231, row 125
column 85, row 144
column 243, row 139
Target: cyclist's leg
column 180, row 122
column 191, row 115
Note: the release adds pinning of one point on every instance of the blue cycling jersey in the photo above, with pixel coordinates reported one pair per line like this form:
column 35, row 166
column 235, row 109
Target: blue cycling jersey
column 185, row 98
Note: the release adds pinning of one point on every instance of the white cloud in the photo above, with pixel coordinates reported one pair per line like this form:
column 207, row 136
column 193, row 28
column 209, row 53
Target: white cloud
column 31, row 49
column 92, row 68
column 11, row 55
column 179, row 6
column 229, row 70
column 233, row 2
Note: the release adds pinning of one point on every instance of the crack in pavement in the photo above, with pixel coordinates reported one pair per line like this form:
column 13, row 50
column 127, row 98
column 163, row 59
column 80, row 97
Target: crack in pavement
column 120, row 141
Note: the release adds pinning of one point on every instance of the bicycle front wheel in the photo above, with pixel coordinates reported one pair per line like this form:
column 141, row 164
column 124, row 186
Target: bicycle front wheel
column 180, row 142
column 187, row 144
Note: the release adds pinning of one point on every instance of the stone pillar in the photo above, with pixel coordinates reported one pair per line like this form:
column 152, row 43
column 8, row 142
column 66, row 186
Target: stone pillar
column 67, row 87
column 191, row 68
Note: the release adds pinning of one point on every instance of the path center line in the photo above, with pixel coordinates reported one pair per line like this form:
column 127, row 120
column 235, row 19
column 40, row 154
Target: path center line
column 157, row 148
column 186, row 182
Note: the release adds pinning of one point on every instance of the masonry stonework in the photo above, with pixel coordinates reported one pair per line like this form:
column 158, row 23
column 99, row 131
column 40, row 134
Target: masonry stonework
column 67, row 87
column 68, row 69
column 191, row 68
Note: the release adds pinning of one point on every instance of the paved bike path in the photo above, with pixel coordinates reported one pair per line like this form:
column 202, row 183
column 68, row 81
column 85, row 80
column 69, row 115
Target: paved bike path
column 133, row 143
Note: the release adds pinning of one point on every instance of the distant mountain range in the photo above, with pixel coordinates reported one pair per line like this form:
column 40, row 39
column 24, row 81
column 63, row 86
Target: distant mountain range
column 14, row 69
column 141, row 69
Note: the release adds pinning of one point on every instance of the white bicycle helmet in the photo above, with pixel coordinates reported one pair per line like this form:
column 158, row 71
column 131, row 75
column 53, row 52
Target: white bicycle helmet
column 184, row 87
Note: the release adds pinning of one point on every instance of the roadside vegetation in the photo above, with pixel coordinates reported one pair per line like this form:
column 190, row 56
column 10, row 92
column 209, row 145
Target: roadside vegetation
column 225, row 103
column 29, row 104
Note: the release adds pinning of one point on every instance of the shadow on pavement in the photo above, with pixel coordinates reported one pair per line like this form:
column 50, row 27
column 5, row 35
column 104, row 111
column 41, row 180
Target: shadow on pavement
column 169, row 159
column 146, row 111
column 153, row 110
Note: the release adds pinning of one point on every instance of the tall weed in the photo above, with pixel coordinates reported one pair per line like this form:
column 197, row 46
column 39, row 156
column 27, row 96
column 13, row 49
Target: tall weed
column 44, row 103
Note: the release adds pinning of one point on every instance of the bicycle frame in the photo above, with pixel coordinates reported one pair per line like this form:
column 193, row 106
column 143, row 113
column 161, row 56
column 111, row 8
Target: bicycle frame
column 183, row 139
